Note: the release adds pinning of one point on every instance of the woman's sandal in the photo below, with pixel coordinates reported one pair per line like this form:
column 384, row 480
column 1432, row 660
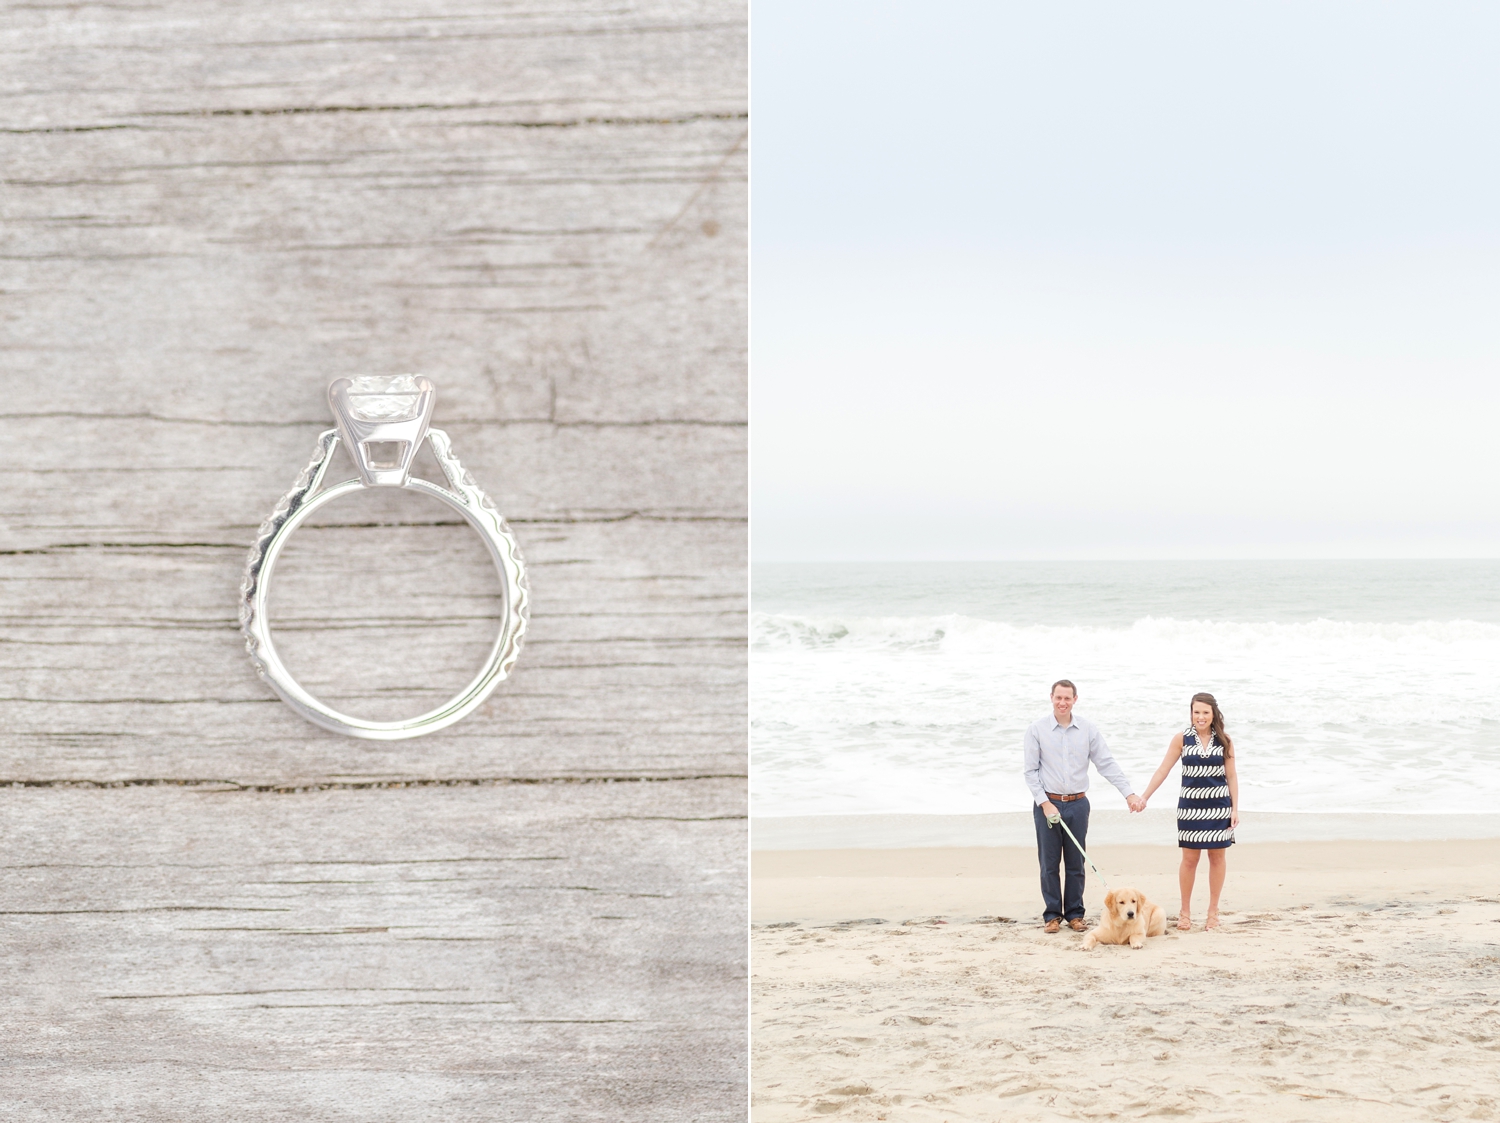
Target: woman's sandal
column 1184, row 923
column 1212, row 923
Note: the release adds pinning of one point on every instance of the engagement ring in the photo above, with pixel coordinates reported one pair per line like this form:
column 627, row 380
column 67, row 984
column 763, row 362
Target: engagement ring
column 381, row 422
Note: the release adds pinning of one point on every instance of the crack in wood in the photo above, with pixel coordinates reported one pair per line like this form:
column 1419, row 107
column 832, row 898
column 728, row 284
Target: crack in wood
column 485, row 422
column 599, row 520
column 283, row 990
column 72, row 129
column 282, row 862
column 142, row 909
column 376, row 1005
column 559, row 33
column 420, row 107
column 298, row 788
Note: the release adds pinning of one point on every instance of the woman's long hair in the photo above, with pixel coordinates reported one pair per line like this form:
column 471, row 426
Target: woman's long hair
column 1217, row 725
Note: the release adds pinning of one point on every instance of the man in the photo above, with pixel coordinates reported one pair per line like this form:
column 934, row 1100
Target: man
column 1057, row 753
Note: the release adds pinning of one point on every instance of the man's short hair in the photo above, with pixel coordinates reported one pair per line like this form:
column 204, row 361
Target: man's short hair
column 1062, row 682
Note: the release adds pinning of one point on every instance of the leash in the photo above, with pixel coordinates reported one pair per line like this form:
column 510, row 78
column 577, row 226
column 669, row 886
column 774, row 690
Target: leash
column 1056, row 820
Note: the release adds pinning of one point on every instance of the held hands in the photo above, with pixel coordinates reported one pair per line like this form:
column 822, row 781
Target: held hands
column 1133, row 801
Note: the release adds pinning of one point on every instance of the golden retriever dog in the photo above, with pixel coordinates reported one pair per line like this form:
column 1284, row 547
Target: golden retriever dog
column 1128, row 919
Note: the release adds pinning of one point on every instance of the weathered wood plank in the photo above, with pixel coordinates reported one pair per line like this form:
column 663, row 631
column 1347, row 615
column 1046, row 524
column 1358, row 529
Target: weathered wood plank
column 232, row 271
column 207, row 212
column 114, row 481
column 554, row 951
column 94, row 65
column 127, row 662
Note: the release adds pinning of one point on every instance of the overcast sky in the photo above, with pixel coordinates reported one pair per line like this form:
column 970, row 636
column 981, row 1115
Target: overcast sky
column 1104, row 280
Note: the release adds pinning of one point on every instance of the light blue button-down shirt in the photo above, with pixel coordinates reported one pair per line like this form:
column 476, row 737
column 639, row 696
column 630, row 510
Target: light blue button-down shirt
column 1057, row 758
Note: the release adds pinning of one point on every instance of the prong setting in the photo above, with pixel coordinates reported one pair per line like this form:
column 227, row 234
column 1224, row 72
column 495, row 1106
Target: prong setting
column 382, row 421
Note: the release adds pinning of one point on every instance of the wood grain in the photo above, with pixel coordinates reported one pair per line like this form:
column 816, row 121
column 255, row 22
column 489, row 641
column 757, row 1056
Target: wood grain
column 207, row 213
column 473, row 953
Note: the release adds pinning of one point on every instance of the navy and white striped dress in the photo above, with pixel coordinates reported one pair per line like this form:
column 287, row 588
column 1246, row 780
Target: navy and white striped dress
column 1204, row 806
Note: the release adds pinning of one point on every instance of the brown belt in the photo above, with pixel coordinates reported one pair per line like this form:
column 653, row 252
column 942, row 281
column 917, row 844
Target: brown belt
column 1065, row 798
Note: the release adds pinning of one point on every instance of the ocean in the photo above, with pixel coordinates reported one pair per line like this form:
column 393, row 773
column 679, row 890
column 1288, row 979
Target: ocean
column 904, row 689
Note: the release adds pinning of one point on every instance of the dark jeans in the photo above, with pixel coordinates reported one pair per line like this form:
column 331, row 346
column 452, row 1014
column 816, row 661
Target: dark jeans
column 1052, row 845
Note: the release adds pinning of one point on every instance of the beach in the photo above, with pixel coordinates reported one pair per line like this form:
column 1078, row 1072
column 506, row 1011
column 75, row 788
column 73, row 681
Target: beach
column 899, row 967
column 1350, row 979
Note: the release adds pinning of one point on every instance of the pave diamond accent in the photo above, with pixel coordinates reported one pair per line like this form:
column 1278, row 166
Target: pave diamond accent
column 379, row 397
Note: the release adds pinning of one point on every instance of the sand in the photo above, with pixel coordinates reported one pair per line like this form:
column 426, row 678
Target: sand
column 1350, row 980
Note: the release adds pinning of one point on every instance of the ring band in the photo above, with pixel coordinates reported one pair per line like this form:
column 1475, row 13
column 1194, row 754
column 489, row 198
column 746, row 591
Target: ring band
column 382, row 422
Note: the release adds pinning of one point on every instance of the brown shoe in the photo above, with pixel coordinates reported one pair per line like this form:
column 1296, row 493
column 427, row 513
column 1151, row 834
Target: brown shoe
column 1077, row 924
column 1052, row 925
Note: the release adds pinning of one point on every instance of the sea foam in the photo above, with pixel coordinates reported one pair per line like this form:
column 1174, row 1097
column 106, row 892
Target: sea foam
column 925, row 713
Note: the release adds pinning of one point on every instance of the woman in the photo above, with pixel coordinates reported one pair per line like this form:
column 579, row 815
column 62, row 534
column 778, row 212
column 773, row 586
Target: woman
column 1208, row 809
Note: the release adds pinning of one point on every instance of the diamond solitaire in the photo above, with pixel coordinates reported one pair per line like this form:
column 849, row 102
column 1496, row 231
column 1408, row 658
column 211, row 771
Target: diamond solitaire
column 382, row 421
column 384, row 398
